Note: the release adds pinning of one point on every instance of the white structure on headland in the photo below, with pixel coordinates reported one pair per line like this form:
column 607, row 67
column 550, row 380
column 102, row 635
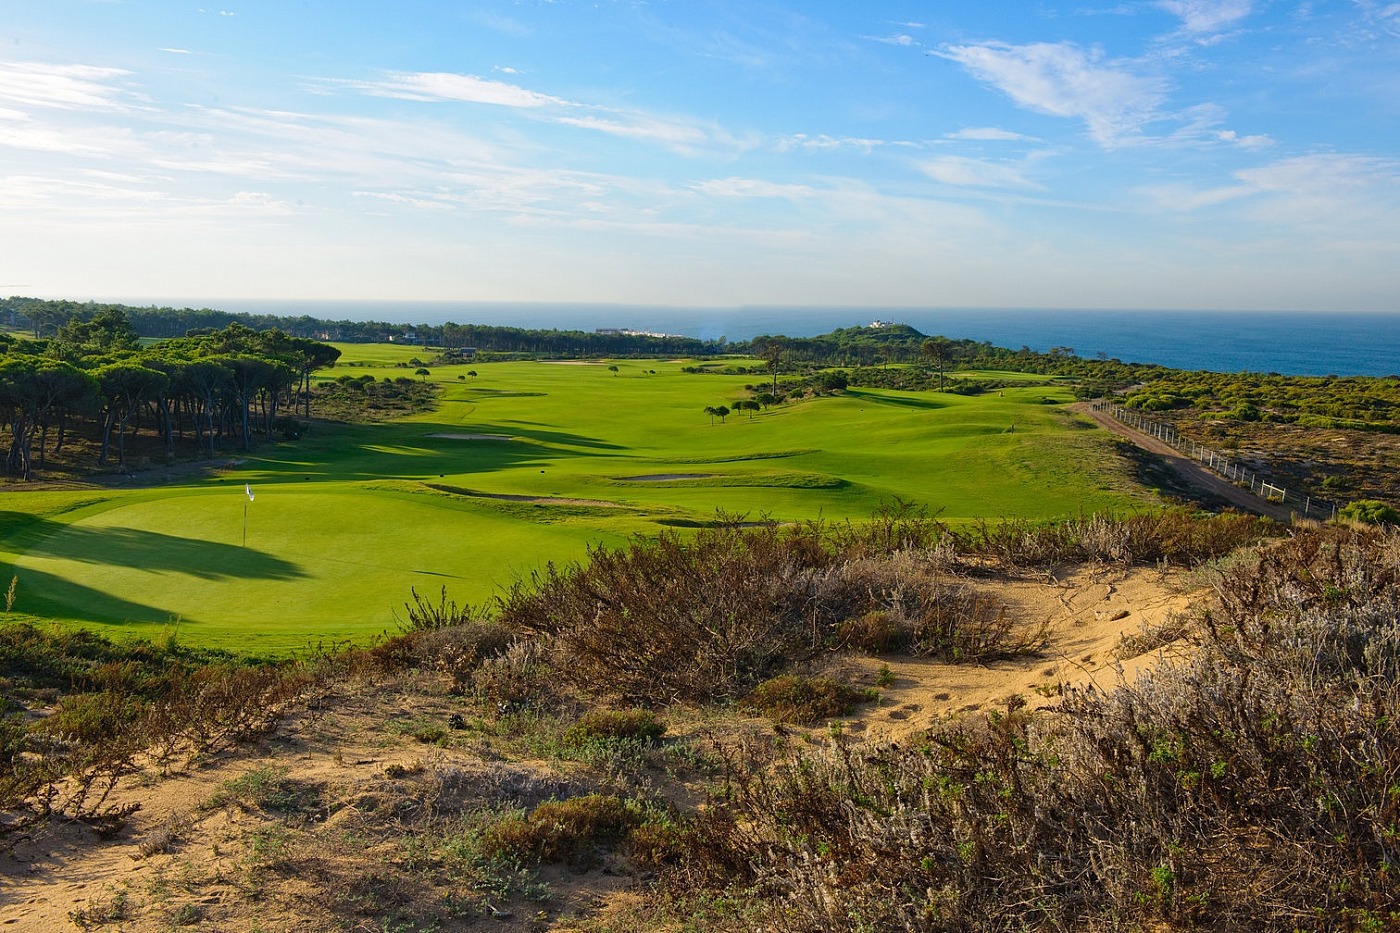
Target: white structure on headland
column 625, row 332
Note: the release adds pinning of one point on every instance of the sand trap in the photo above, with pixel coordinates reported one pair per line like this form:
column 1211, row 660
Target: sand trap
column 572, row 363
column 474, row 437
column 663, row 477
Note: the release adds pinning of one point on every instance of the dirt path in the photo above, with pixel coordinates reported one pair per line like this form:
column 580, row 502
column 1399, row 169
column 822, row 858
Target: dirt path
column 1189, row 470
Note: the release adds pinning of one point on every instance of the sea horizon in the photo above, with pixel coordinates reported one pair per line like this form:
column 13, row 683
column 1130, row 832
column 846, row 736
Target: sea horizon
column 1299, row 343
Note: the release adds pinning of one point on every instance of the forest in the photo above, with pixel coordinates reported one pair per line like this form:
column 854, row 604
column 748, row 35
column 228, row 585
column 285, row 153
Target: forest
column 198, row 392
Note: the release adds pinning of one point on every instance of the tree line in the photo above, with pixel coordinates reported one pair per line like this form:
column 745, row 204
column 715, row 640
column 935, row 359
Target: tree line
column 203, row 392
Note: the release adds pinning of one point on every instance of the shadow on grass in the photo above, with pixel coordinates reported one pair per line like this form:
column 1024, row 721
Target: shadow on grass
column 408, row 450
column 145, row 550
column 46, row 594
column 896, row 401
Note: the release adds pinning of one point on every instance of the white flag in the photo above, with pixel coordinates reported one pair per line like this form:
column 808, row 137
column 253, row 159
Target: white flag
column 248, row 488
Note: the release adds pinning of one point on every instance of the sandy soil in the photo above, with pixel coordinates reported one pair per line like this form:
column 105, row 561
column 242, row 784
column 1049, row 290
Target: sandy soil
column 357, row 776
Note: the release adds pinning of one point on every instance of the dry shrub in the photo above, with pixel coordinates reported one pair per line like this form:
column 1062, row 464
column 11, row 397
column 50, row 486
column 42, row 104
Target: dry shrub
column 706, row 618
column 673, row 618
column 1177, row 536
column 802, row 700
column 561, row 830
column 625, row 725
column 522, row 676
column 1253, row 787
column 911, row 603
column 873, row 632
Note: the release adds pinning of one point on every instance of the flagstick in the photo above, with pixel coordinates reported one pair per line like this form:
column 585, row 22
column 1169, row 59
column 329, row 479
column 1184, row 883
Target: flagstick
column 245, row 522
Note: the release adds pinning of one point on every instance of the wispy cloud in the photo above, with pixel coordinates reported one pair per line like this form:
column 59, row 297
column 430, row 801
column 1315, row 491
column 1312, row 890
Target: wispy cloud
column 447, row 86
column 1207, row 16
column 898, row 39
column 752, row 188
column 669, row 132
column 1334, row 190
column 824, row 142
column 987, row 134
column 1065, row 80
column 70, row 87
column 976, row 173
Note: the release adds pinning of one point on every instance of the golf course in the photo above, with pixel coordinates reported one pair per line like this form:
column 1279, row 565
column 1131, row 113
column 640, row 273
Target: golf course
column 519, row 464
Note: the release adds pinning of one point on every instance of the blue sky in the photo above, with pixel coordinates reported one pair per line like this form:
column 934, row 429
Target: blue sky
column 1164, row 154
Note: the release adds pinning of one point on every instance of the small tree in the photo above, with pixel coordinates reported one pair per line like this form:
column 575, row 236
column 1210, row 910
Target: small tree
column 721, row 413
column 771, row 349
column 938, row 349
column 1370, row 512
column 613, row 369
column 420, row 371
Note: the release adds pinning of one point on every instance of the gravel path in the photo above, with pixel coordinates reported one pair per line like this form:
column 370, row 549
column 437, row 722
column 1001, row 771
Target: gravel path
column 1189, row 470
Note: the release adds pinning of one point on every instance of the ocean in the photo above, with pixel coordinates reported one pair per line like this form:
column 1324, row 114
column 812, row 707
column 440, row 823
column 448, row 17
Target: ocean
column 1294, row 343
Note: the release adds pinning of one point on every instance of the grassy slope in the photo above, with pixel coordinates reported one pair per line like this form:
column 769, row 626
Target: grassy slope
column 345, row 522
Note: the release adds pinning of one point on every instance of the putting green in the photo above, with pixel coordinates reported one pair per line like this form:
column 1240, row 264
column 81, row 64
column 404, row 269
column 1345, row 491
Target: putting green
column 521, row 464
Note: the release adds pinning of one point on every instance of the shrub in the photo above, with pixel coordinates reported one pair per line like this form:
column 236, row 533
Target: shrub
column 802, row 700
column 1180, row 800
column 560, row 830
column 632, row 725
column 1370, row 512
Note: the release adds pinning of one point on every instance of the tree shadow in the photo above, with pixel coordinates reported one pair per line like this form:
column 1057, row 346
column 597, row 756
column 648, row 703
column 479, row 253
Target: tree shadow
column 929, row 404
column 410, row 450
column 46, row 594
column 145, row 550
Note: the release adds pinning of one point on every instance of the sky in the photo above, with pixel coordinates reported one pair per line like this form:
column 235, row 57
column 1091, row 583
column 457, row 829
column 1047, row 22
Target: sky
column 1234, row 154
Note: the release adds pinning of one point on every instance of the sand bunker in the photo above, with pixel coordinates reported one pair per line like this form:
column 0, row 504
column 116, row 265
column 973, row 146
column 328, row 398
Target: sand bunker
column 663, row 477
column 474, row 437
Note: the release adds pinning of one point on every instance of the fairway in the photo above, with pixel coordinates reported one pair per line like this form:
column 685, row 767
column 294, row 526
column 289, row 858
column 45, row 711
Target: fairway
column 521, row 464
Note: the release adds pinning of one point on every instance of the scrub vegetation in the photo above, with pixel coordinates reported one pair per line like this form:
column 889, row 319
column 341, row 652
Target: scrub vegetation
column 547, row 647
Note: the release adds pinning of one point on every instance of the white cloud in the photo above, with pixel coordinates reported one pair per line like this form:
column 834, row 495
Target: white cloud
column 1204, row 16
column 1329, row 190
column 68, row 87
column 1244, row 142
column 901, row 39
column 752, row 188
column 986, row 133
column 975, row 173
column 456, row 88
column 672, row 133
column 1325, row 175
column 824, row 142
column 1064, row 80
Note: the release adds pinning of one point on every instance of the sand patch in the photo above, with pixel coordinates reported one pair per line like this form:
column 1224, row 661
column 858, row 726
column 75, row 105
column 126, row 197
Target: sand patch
column 1089, row 613
column 572, row 363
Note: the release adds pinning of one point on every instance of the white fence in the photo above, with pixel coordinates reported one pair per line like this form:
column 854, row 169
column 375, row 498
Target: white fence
column 1230, row 468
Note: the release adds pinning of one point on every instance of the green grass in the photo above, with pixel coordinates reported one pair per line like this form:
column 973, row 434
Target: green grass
column 348, row 519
